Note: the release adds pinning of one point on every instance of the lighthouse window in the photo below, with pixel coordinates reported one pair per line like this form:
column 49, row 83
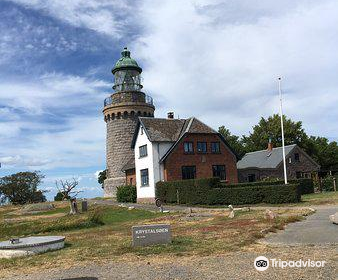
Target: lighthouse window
column 143, row 151
column 144, row 177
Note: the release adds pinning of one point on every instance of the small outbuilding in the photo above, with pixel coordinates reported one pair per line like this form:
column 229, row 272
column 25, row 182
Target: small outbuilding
column 256, row 166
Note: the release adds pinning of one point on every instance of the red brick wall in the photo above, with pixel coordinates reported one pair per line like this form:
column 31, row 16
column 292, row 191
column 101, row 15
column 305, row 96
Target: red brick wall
column 203, row 162
column 130, row 177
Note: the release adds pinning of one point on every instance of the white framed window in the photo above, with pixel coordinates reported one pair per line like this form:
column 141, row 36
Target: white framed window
column 144, row 177
column 143, row 151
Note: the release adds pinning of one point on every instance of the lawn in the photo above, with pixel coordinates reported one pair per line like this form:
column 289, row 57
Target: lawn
column 104, row 233
column 320, row 198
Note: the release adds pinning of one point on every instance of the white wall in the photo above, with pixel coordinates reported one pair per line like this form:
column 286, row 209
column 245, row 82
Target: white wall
column 156, row 150
column 143, row 163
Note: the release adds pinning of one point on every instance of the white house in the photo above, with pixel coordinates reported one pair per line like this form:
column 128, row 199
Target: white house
column 149, row 148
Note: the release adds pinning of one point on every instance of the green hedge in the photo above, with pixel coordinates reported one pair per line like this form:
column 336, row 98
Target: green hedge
column 210, row 191
column 305, row 184
column 126, row 194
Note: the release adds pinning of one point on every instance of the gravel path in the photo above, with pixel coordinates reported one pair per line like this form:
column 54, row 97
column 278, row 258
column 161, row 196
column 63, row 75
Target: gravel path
column 315, row 230
column 237, row 265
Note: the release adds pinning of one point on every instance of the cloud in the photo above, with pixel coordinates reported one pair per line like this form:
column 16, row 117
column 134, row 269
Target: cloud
column 58, row 122
column 104, row 16
column 220, row 62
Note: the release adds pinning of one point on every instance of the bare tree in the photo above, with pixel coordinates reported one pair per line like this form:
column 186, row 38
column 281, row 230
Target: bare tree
column 67, row 189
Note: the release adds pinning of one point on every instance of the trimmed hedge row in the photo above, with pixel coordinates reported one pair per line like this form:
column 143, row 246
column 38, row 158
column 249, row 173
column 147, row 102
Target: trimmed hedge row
column 126, row 193
column 305, row 184
column 209, row 191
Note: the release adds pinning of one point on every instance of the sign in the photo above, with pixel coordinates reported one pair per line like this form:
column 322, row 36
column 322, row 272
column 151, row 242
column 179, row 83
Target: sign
column 151, row 235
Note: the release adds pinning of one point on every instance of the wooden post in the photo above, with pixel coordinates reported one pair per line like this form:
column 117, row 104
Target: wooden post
column 177, row 197
column 334, row 184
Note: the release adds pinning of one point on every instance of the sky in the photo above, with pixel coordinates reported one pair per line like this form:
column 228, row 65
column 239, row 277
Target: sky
column 216, row 60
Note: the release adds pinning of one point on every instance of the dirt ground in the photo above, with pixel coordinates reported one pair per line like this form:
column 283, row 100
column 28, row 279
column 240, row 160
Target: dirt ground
column 236, row 265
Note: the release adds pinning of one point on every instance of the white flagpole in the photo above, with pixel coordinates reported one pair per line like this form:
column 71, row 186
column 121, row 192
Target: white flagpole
column 281, row 121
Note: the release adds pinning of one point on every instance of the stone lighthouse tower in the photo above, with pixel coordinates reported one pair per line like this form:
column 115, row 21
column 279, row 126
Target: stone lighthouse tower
column 121, row 111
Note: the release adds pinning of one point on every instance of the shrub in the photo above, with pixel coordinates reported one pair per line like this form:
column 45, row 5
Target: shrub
column 328, row 183
column 305, row 184
column 126, row 193
column 210, row 191
column 96, row 218
column 59, row 197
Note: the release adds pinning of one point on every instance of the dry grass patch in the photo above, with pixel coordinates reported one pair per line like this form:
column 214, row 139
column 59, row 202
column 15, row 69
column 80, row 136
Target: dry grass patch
column 109, row 237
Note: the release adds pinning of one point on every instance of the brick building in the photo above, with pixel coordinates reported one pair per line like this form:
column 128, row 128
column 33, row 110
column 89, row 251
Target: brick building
column 177, row 149
column 256, row 166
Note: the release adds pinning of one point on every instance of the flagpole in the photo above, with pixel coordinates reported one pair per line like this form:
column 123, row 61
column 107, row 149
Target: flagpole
column 281, row 122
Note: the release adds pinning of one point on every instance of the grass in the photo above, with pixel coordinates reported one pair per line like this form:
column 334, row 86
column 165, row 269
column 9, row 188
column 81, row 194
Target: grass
column 104, row 233
column 324, row 198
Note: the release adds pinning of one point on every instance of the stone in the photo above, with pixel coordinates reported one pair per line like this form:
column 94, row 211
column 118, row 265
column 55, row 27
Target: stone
column 145, row 235
column 334, row 218
column 38, row 207
column 232, row 214
column 19, row 247
column 84, row 205
column 269, row 215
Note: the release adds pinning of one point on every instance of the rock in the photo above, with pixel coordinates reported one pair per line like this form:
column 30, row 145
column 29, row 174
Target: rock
column 38, row 207
column 334, row 218
column 269, row 215
column 131, row 207
column 232, row 214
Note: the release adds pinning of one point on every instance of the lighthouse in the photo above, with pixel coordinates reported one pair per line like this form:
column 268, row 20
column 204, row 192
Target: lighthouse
column 121, row 111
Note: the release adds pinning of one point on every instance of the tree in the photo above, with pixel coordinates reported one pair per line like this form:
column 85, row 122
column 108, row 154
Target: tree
column 21, row 188
column 271, row 128
column 66, row 188
column 323, row 152
column 233, row 140
column 102, row 176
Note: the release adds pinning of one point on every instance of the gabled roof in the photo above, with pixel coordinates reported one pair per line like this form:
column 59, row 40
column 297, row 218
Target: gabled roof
column 193, row 125
column 162, row 130
column 172, row 130
column 169, row 130
column 264, row 159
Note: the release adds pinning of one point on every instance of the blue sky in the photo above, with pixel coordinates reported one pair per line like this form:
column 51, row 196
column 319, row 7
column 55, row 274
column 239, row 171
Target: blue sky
column 216, row 60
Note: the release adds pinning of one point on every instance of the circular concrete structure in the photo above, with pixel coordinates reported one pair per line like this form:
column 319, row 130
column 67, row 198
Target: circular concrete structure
column 30, row 245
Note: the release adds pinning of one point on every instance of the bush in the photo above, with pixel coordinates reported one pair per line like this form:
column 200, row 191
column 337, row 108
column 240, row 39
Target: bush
column 126, row 194
column 305, row 184
column 59, row 197
column 328, row 183
column 210, row 191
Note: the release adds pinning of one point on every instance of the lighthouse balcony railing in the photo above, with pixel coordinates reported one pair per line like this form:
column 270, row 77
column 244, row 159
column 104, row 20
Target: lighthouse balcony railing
column 134, row 98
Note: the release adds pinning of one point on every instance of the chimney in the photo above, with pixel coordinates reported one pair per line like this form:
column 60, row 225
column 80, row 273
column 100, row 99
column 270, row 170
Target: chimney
column 170, row 115
column 270, row 145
